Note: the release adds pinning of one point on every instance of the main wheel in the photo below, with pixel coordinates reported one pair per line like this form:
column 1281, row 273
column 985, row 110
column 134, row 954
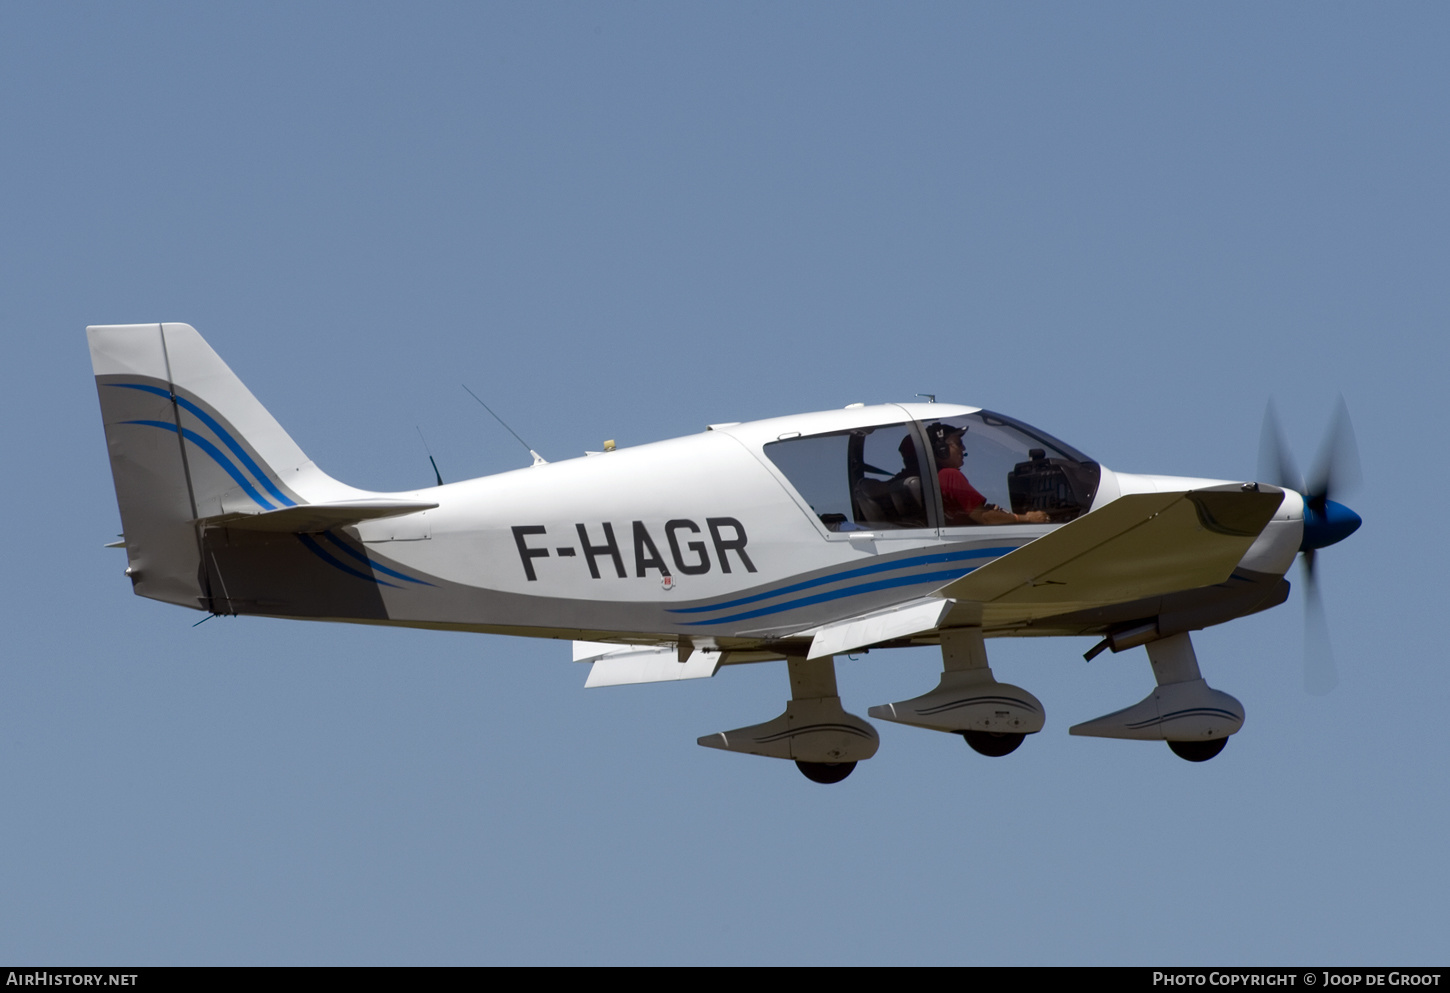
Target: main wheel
column 993, row 743
column 1198, row 751
column 825, row 772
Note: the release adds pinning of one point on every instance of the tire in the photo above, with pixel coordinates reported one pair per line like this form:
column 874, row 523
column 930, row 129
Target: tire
column 825, row 772
column 993, row 743
column 1198, row 751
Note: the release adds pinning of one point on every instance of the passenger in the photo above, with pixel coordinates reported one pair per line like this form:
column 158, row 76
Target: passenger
column 905, row 487
column 961, row 503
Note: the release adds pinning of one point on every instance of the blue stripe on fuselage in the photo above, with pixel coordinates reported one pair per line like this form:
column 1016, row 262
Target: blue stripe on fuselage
column 935, row 558
column 371, row 564
column 806, row 601
column 321, row 553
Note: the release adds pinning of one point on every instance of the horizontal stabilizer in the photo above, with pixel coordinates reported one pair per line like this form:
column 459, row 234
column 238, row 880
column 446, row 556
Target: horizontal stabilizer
column 314, row 518
column 624, row 665
column 883, row 625
column 1140, row 545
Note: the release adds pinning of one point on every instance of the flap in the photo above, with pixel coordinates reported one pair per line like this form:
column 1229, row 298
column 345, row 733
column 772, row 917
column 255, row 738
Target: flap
column 623, row 665
column 312, row 518
column 592, row 651
column 1140, row 545
column 883, row 625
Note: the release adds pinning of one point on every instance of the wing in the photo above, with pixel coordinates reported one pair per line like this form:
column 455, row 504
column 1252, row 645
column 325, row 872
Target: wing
column 1140, row 545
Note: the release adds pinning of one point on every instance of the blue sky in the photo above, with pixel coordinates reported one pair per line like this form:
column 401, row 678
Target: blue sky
column 1129, row 224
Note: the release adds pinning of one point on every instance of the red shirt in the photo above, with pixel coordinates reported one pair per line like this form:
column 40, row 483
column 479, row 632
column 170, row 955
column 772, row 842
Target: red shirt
column 959, row 497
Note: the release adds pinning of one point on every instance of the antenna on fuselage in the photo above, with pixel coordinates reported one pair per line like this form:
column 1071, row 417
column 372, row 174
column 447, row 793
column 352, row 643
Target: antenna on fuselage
column 436, row 474
column 538, row 459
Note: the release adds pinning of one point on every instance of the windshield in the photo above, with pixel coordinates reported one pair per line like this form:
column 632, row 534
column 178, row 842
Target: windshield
column 986, row 464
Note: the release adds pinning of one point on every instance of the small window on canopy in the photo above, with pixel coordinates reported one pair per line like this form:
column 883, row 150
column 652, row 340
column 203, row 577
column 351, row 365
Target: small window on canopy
column 869, row 479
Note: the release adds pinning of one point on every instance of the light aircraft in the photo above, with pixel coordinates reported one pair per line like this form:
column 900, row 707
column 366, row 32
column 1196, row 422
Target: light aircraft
column 796, row 538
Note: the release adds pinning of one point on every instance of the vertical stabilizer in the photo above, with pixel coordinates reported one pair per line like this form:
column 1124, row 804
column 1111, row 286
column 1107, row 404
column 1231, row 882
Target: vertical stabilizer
column 187, row 440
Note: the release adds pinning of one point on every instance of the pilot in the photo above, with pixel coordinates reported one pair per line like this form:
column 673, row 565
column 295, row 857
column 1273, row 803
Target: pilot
column 961, row 502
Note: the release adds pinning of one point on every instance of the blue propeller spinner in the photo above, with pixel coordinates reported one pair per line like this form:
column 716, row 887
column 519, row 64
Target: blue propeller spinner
column 1327, row 524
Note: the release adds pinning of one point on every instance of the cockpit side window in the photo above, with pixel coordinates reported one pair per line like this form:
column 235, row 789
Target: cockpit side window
column 989, row 468
column 869, row 479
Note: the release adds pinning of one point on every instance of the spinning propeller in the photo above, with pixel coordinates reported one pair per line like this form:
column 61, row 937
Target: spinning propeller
column 1325, row 522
